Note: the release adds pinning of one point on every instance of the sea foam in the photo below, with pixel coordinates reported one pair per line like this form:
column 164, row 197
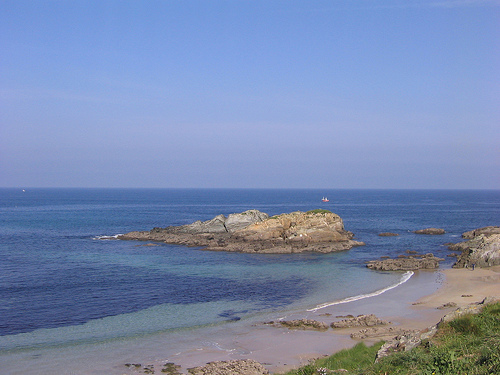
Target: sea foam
column 406, row 276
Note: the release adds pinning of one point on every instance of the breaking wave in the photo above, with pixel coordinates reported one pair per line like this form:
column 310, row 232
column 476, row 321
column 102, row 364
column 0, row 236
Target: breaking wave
column 406, row 276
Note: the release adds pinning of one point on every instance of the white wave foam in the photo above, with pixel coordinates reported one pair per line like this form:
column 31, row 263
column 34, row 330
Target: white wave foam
column 406, row 276
column 115, row 237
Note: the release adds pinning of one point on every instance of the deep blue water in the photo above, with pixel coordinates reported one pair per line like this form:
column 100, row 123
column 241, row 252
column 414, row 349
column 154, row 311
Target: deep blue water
column 56, row 274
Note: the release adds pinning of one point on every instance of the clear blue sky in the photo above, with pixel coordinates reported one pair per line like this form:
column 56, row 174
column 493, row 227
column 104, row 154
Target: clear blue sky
column 250, row 93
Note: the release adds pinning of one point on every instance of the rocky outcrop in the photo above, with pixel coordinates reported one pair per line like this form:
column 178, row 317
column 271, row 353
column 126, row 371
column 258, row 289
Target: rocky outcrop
column 487, row 231
column 360, row 320
column 406, row 263
column 254, row 231
column 235, row 367
column 482, row 250
column 432, row 231
column 411, row 339
column 301, row 324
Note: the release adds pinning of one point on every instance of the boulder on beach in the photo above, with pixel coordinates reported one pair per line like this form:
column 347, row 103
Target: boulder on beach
column 369, row 320
column 301, row 324
column 254, row 231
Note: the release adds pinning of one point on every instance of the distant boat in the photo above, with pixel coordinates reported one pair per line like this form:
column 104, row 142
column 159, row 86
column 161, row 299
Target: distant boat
column 325, row 199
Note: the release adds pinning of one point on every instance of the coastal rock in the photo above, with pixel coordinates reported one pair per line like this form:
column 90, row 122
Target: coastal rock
column 482, row 250
column 432, row 231
column 411, row 339
column 388, row 234
column 406, row 263
column 256, row 232
column 235, row 367
column 380, row 332
column 487, row 231
column 302, row 324
column 361, row 320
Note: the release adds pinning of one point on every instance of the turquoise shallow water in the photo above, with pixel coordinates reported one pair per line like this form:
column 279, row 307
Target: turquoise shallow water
column 60, row 286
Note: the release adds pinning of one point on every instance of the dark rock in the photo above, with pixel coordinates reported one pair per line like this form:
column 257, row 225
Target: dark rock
column 432, row 231
column 388, row 234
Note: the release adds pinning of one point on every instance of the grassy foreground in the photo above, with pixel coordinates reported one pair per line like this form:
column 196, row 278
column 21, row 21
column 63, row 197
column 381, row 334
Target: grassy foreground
column 467, row 345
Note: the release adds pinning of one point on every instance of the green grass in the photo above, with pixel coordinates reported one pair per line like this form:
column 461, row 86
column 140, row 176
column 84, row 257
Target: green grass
column 319, row 211
column 467, row 345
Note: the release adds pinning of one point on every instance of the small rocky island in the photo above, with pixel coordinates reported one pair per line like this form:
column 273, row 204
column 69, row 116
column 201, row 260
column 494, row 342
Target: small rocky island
column 253, row 231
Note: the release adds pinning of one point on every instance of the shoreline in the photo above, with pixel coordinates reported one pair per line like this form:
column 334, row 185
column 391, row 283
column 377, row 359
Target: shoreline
column 412, row 305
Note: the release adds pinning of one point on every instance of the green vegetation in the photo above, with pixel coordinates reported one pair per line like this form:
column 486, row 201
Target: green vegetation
column 469, row 345
column 319, row 211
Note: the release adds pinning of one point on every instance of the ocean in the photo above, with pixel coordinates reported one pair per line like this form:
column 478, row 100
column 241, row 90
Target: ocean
column 65, row 282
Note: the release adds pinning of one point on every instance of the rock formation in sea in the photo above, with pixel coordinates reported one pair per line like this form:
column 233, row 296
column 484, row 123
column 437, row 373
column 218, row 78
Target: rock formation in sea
column 406, row 263
column 254, row 231
column 482, row 248
column 432, row 231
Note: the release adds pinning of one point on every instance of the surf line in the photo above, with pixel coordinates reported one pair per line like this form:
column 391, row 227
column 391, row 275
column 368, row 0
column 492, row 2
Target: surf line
column 406, row 276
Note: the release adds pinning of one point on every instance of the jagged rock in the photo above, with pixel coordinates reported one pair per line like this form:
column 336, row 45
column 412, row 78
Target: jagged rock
column 361, row 320
column 388, row 234
column 406, row 263
column 432, row 231
column 483, row 250
column 254, row 231
column 487, row 231
column 235, row 367
column 302, row 324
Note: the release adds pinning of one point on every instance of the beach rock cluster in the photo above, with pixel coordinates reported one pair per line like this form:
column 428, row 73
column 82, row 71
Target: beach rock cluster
column 406, row 263
column 411, row 339
column 301, row 324
column 235, row 367
column 369, row 320
column 254, row 231
column 482, row 248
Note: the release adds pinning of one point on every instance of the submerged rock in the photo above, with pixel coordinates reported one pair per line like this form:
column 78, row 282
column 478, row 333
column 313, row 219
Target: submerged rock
column 256, row 232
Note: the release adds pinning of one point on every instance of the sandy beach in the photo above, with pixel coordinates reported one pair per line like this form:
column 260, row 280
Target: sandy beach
column 406, row 307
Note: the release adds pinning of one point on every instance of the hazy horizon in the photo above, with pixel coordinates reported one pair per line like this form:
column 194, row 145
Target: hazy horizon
column 382, row 94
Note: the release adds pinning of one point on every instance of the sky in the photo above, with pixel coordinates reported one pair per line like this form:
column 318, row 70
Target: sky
column 401, row 94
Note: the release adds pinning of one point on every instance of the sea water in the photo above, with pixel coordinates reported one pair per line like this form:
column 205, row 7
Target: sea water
column 65, row 281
